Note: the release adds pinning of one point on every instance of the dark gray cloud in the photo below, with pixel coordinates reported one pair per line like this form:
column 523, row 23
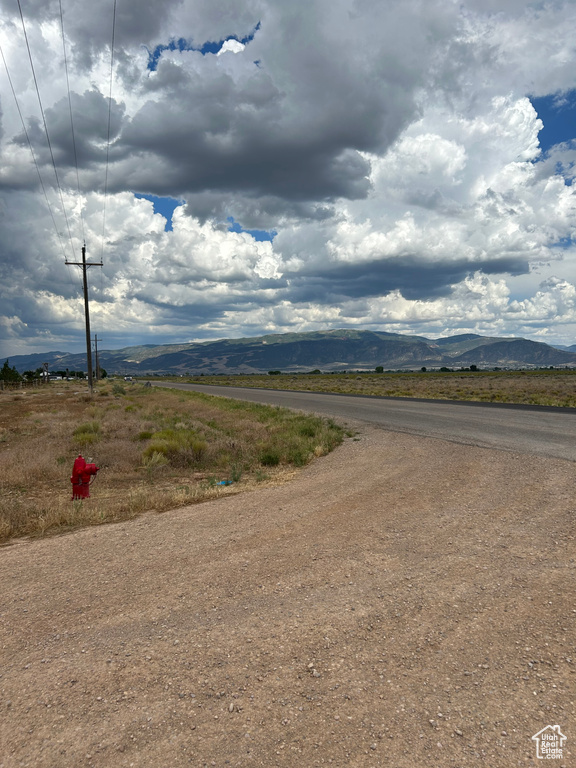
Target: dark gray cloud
column 292, row 126
column 268, row 212
column 415, row 278
column 218, row 138
column 89, row 25
column 90, row 121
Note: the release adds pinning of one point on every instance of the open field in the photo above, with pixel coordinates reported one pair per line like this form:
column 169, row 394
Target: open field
column 545, row 387
column 157, row 449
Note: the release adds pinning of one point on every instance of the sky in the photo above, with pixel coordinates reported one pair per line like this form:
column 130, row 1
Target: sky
column 266, row 166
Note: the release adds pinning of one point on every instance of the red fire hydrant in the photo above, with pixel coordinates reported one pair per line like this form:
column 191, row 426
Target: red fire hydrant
column 82, row 476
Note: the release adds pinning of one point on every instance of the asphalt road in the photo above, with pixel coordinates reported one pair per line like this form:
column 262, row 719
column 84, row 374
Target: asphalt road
column 533, row 430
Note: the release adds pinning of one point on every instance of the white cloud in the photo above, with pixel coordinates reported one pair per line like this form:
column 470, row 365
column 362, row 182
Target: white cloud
column 231, row 46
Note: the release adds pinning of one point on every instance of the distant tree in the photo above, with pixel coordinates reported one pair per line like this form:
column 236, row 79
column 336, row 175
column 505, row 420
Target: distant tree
column 30, row 374
column 379, row 369
column 473, row 367
column 9, row 374
column 316, row 370
column 274, row 373
column 103, row 373
column 446, row 370
column 423, row 369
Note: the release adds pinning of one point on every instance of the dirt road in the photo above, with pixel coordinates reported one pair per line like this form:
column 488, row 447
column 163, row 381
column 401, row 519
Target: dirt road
column 402, row 602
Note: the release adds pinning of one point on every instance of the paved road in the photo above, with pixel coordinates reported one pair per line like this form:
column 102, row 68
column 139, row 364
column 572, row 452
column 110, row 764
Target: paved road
column 523, row 429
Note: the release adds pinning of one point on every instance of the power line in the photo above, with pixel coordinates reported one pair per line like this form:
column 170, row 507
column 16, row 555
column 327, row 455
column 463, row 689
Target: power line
column 71, row 118
column 45, row 125
column 32, row 152
column 109, row 124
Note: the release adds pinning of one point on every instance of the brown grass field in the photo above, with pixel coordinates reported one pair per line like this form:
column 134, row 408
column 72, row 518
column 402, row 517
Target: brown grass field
column 543, row 387
column 158, row 449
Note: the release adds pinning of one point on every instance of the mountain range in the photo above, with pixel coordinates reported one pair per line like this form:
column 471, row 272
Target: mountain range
column 334, row 350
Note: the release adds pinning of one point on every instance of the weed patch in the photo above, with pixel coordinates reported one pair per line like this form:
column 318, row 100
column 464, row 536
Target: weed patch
column 270, row 458
column 87, row 434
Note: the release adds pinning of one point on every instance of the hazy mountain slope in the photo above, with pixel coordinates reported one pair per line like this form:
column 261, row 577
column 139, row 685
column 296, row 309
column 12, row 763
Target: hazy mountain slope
column 455, row 345
column 339, row 349
column 517, row 352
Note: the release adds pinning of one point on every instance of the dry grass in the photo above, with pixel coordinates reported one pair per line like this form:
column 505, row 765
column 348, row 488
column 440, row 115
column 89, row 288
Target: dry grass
column 158, row 449
column 546, row 387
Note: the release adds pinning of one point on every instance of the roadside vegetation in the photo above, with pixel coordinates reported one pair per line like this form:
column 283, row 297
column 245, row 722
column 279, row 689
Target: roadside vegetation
column 539, row 387
column 158, row 449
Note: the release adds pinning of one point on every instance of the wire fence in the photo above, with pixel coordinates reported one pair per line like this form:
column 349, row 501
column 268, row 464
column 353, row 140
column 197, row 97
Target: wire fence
column 10, row 386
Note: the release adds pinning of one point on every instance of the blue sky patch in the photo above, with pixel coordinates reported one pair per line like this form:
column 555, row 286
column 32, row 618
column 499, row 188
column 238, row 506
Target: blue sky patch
column 258, row 234
column 164, row 206
column 558, row 113
column 182, row 44
column 564, row 242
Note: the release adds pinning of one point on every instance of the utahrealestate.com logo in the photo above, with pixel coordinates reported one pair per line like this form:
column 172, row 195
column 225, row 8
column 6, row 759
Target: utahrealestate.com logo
column 549, row 743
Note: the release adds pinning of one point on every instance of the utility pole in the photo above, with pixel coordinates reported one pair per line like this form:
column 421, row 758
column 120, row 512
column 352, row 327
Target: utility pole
column 84, row 265
column 97, row 359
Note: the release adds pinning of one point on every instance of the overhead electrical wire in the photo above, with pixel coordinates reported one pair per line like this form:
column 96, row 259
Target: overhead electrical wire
column 109, row 127
column 32, row 152
column 74, row 145
column 45, row 126
column 71, row 118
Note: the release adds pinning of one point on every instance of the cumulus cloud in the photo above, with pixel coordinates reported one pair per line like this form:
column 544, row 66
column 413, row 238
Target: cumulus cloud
column 392, row 147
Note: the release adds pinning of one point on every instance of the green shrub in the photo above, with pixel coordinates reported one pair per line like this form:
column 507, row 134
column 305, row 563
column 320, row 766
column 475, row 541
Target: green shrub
column 270, row 458
column 298, row 457
column 235, row 473
column 180, row 447
column 155, row 448
column 154, row 460
column 90, row 427
column 87, row 434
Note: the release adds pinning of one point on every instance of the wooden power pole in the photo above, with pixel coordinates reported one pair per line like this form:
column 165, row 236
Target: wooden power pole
column 97, row 369
column 84, row 265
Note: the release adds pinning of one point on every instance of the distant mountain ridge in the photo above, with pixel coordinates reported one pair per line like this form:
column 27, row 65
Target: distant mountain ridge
column 334, row 350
